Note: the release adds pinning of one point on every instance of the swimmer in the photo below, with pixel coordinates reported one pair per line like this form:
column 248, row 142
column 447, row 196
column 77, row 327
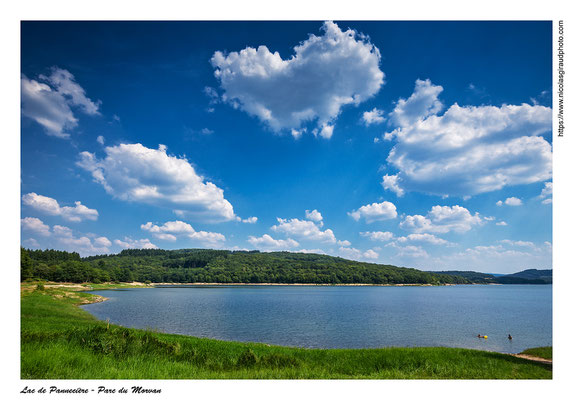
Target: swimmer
column 509, row 337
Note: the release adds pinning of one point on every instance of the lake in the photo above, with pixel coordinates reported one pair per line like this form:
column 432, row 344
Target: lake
column 342, row 316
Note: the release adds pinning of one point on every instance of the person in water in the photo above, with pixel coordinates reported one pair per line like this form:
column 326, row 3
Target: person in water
column 479, row 335
column 509, row 337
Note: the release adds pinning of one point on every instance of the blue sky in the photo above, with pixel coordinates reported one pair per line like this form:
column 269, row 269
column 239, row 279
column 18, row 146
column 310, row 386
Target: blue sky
column 420, row 144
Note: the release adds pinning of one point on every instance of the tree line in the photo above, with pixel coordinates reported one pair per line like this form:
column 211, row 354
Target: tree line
column 216, row 266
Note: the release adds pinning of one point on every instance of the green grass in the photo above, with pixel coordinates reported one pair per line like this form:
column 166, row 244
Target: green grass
column 543, row 352
column 62, row 341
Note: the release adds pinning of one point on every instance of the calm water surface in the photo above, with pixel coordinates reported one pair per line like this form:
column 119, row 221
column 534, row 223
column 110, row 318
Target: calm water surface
column 342, row 316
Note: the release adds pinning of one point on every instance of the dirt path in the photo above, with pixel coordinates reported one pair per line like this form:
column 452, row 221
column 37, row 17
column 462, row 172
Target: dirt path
column 533, row 358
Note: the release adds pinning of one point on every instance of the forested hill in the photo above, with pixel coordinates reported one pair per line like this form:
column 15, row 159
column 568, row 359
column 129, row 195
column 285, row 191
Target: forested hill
column 217, row 266
column 526, row 277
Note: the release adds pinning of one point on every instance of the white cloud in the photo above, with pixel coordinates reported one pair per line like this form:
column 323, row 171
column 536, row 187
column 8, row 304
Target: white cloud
column 101, row 140
column 442, row 219
column 133, row 172
column 373, row 117
column 314, row 215
column 378, row 236
column 35, row 225
column 344, row 243
column 547, row 193
column 324, row 74
column 519, row 243
column 422, row 103
column 48, row 101
column 390, row 182
column 355, row 254
column 213, row 239
column 467, row 150
column 501, row 223
column 250, row 220
column 102, row 241
column 171, row 230
column 304, row 230
column 325, row 131
column 423, row 237
column 212, row 95
column 370, row 254
column 266, row 242
column 513, row 201
column 410, row 251
column 510, row 201
column 82, row 244
column 50, row 206
column 31, row 242
column 297, row 133
column 499, row 259
column 375, row 212
column 129, row 243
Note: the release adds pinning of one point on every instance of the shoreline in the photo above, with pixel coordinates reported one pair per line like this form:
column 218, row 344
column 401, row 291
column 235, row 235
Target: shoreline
column 295, row 284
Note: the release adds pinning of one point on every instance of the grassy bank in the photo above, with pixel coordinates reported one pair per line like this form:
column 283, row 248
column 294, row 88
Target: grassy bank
column 62, row 341
column 541, row 352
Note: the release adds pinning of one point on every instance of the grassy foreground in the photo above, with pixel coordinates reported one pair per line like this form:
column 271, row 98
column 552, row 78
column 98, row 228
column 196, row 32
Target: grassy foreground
column 62, row 341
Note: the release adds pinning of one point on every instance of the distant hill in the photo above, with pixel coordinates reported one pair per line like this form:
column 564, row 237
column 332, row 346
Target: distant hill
column 535, row 275
column 528, row 277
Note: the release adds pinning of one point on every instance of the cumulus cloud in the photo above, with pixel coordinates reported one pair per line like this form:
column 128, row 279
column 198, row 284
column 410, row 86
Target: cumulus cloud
column 547, row 193
column 391, row 183
column 375, row 212
column 468, row 149
column 101, row 140
column 409, row 251
column 171, row 230
column 314, row 215
column 355, row 254
column 501, row 223
column 520, row 243
column 250, row 220
column 50, row 206
column 50, row 99
column 266, row 242
column 513, row 201
column 424, row 238
column 422, row 103
column 510, row 201
column 35, row 225
column 373, row 117
column 378, row 236
column 133, row 172
column 129, row 243
column 324, row 74
column 82, row 244
column 31, row 242
column 442, row 219
column 304, row 229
